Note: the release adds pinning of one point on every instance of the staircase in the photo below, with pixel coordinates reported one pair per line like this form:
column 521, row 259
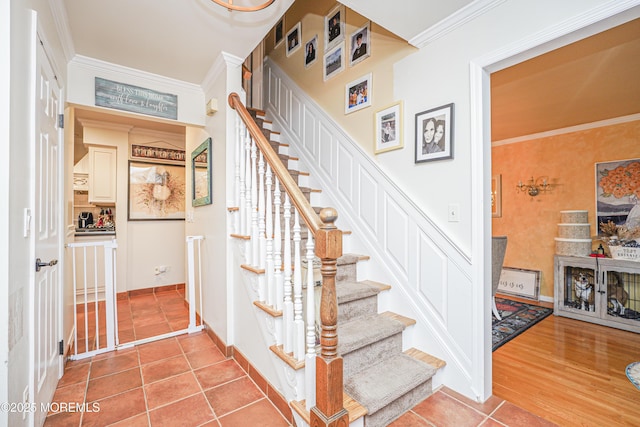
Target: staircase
column 381, row 381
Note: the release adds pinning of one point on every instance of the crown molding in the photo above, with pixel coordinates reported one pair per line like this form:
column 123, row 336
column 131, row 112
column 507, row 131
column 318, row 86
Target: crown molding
column 99, row 124
column 59, row 12
column 98, row 67
column 219, row 65
column 570, row 129
column 453, row 21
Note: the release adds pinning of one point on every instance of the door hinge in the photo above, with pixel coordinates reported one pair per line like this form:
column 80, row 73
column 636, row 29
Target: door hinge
column 61, row 348
column 61, row 121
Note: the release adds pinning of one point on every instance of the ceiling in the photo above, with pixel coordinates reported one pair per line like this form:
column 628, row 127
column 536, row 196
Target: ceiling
column 591, row 80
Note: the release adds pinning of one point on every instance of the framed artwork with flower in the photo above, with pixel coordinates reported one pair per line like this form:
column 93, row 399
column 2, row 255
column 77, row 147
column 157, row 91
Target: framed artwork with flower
column 156, row 191
column 618, row 192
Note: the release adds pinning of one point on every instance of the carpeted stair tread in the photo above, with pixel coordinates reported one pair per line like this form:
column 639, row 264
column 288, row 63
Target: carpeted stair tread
column 347, row 291
column 374, row 387
column 363, row 331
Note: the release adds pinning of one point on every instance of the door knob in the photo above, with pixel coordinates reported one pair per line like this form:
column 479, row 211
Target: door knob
column 40, row 264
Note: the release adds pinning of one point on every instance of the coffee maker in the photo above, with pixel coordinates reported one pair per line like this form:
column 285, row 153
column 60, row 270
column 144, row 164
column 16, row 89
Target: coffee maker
column 85, row 219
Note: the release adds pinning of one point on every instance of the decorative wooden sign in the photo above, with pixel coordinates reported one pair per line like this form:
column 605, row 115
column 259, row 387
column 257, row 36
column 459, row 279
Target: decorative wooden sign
column 519, row 282
column 135, row 99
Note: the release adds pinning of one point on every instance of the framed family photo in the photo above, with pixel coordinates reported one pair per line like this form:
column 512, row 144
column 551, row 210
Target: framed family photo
column 334, row 27
column 278, row 32
column 311, row 49
column 360, row 45
column 434, row 134
column 293, row 39
column 333, row 61
column 388, row 131
column 357, row 94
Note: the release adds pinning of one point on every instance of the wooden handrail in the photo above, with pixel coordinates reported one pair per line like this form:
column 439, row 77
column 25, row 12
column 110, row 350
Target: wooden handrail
column 309, row 216
column 329, row 409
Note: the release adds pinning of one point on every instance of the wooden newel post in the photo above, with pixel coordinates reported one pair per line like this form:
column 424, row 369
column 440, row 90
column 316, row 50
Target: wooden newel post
column 329, row 410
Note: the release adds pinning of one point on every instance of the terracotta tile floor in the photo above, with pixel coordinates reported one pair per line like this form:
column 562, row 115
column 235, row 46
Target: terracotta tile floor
column 186, row 381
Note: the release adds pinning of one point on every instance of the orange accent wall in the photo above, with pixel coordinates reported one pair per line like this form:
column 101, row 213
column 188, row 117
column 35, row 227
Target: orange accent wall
column 569, row 161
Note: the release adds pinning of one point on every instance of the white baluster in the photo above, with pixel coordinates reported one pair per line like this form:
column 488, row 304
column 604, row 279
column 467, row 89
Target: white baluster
column 262, row 244
column 298, row 344
column 277, row 246
column 240, row 177
column 271, row 292
column 255, row 246
column 246, row 224
column 287, row 314
column 310, row 359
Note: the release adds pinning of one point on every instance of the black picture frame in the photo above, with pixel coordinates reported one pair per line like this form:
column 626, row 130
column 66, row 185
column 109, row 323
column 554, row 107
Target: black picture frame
column 429, row 124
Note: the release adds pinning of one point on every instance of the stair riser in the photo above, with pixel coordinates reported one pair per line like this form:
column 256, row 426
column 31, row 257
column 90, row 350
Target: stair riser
column 370, row 354
column 347, row 272
column 360, row 307
column 395, row 409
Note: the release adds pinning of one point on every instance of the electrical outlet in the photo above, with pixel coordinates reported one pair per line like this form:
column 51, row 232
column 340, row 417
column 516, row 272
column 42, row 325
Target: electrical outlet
column 156, row 270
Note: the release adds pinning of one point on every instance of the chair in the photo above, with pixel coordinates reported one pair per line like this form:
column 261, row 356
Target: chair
column 498, row 249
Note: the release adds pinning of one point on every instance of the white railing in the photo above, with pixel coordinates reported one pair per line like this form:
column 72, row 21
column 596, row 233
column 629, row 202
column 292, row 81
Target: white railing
column 194, row 280
column 94, row 297
column 274, row 247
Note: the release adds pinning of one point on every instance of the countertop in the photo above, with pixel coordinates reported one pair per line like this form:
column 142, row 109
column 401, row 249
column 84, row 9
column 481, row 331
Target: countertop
column 93, row 232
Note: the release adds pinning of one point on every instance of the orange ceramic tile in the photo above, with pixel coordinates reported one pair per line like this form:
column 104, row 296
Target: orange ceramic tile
column 410, row 419
column 75, row 374
column 71, row 393
column 110, row 385
column 170, row 390
column 115, row 364
column 178, row 325
column 158, row 350
column 194, row 342
column 201, row 358
column 192, row 411
column 63, row 419
column 157, row 371
column 152, row 330
column 512, row 415
column 141, row 420
column 486, row 408
column 116, row 408
column 233, row 395
column 261, row 413
column 443, row 410
column 219, row 373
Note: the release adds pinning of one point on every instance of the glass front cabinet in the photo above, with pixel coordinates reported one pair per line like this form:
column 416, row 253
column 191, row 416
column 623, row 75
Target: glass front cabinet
column 598, row 290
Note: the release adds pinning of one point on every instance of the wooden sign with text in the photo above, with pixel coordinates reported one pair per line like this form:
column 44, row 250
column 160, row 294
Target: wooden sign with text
column 135, row 99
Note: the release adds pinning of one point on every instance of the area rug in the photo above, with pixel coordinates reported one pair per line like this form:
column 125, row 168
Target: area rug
column 633, row 373
column 517, row 317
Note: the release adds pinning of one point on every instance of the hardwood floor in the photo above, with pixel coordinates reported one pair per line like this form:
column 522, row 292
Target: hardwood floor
column 571, row 373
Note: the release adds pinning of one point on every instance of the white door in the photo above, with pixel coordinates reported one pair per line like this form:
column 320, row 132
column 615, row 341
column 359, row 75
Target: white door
column 46, row 235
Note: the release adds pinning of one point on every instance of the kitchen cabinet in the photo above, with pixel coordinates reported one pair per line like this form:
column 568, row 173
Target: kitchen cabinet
column 102, row 175
column 605, row 291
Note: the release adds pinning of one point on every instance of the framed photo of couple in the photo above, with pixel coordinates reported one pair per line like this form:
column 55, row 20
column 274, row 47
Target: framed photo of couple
column 434, row 134
column 388, row 131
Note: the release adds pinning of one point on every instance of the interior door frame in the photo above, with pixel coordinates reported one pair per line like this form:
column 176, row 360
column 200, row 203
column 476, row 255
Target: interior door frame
column 576, row 28
column 39, row 39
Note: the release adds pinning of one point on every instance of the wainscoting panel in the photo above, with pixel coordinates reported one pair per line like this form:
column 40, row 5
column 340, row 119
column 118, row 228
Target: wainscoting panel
column 430, row 287
column 345, row 172
column 273, row 90
column 325, row 154
column 368, row 201
column 310, row 134
column 396, row 234
column 296, row 115
column 284, row 103
column 429, row 273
